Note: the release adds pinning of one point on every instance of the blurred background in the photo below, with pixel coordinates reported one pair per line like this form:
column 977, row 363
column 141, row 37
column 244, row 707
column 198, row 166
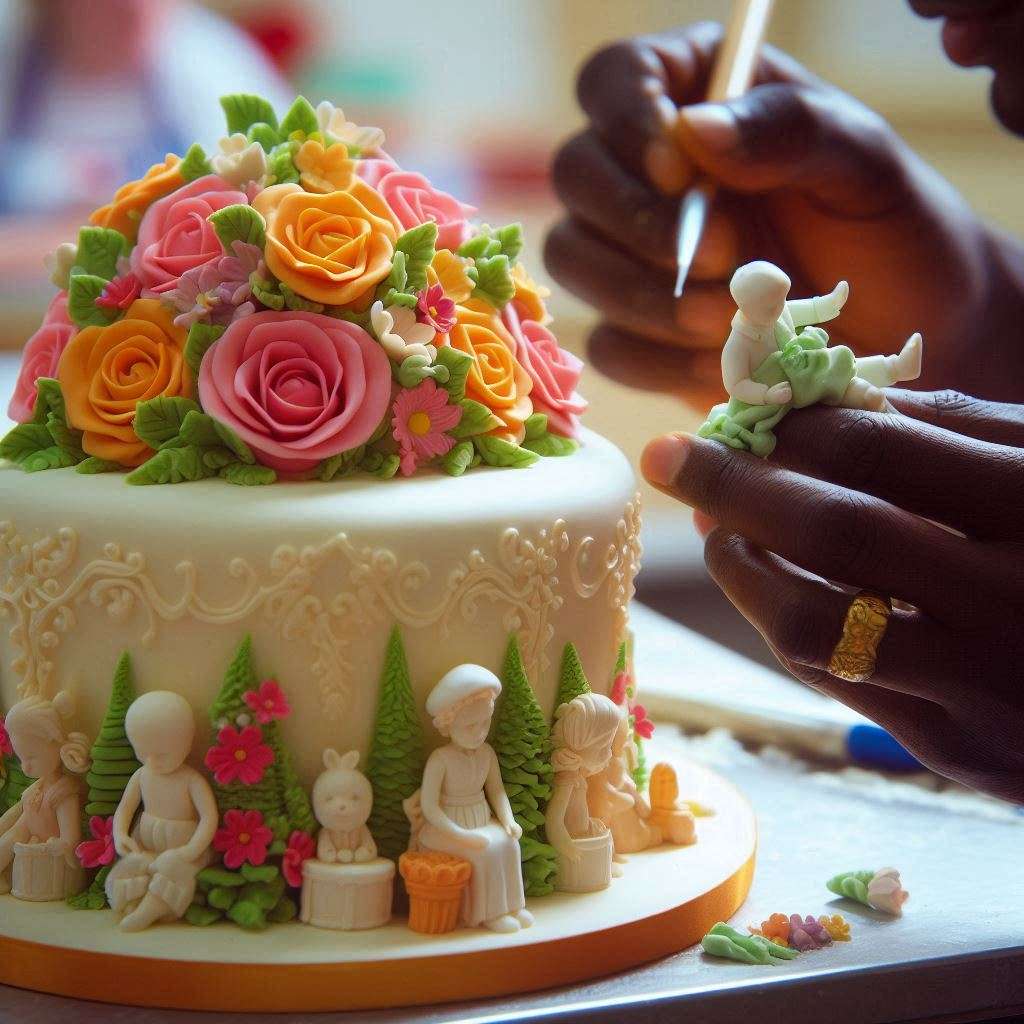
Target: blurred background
column 475, row 95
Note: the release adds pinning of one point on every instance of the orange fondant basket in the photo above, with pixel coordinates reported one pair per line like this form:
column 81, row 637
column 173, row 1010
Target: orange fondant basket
column 435, row 882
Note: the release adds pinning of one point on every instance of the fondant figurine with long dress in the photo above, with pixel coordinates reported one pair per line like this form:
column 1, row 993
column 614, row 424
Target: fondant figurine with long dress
column 38, row 835
column 775, row 360
column 160, row 857
column 462, row 807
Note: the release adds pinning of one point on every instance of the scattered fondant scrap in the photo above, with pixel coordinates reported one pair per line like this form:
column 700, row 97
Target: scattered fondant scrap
column 807, row 933
column 836, row 925
column 725, row 941
column 880, row 889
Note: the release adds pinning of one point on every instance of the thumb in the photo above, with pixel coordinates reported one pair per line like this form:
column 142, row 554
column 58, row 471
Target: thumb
column 785, row 135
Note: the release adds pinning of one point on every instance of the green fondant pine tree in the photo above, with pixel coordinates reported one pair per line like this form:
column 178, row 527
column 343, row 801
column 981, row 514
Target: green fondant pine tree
column 395, row 764
column 521, row 740
column 572, row 680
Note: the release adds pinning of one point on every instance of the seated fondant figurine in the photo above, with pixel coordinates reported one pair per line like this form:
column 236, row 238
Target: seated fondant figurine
column 677, row 823
column 462, row 807
column 582, row 746
column 342, row 801
column 38, row 835
column 155, row 877
column 768, row 368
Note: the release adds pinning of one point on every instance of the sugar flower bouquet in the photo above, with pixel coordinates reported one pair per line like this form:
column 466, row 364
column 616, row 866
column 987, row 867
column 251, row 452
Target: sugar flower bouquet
column 294, row 304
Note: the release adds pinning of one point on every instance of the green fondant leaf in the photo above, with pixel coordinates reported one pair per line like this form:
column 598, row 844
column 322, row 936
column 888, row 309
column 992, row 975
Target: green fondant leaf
column 397, row 298
column 47, row 442
column 350, row 315
column 234, row 443
column 243, row 110
column 476, row 419
column 249, row 915
column 281, row 164
column 241, row 223
column 160, row 419
column 293, row 300
column 83, row 291
column 200, row 338
column 264, row 134
column 395, row 281
column 301, row 117
column 198, row 429
column 418, row 245
column 217, row 876
column 202, row 916
column 552, row 445
column 248, row 476
column 493, row 278
column 510, row 237
column 92, row 466
column 263, row 873
column 381, row 465
column 458, row 365
column 63, row 435
column 266, row 292
column 496, row 451
column 458, row 460
column 24, row 441
column 99, row 250
column 171, row 466
column 194, row 163
column 480, row 246
column 284, row 911
column 536, row 426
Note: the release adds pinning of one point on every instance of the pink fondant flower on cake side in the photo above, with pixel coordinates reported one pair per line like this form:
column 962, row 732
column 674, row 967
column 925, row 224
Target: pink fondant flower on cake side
column 421, row 417
column 98, row 851
column 268, row 702
column 301, row 847
column 5, row 741
column 175, row 235
column 243, row 839
column 620, row 688
column 40, row 357
column 435, row 310
column 119, row 293
column 554, row 371
column 239, row 756
column 415, row 201
column 642, row 725
column 296, row 387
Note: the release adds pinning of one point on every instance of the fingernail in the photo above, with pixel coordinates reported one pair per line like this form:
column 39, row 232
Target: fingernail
column 704, row 524
column 713, row 125
column 663, row 458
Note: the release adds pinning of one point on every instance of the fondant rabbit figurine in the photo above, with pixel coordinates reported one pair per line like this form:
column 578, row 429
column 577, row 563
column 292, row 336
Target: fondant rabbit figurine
column 342, row 801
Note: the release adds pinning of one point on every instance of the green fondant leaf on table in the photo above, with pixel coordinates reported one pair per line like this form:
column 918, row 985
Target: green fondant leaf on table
column 418, row 246
column 459, row 459
column 264, row 134
column 159, row 419
column 83, row 291
column 536, row 426
column 99, row 249
column 293, row 300
column 551, row 445
column 301, row 117
column 248, row 476
column 243, row 110
column 194, row 163
column 492, row 276
column 200, row 338
column 458, row 365
column 266, row 291
column 281, row 164
column 240, row 223
column 171, row 466
column 476, row 419
column 92, row 465
column 496, row 451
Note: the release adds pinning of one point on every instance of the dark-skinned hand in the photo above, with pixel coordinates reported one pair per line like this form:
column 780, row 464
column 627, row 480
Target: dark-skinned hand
column 845, row 499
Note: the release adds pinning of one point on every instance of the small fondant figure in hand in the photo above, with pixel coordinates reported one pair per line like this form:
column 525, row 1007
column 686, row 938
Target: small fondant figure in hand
column 155, row 878
column 342, row 801
column 46, row 824
column 462, row 807
column 768, row 368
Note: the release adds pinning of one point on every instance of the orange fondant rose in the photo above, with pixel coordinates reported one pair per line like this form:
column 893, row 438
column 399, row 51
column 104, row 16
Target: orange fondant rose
column 131, row 200
column 496, row 379
column 106, row 371
column 334, row 248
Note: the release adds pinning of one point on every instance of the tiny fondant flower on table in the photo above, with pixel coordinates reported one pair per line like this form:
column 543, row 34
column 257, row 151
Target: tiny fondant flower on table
column 106, row 371
column 239, row 756
column 175, row 234
column 124, row 212
column 119, row 293
column 331, row 120
column 301, row 847
column 324, row 169
column 333, row 248
column 807, row 933
column 837, row 927
column 886, row 892
column 99, row 851
column 435, row 309
column 41, row 357
column 243, row 839
column 642, row 725
column 776, row 928
column 296, row 387
column 421, row 416
column 400, row 333
column 5, row 741
column 268, row 702
column 239, row 161
column 415, row 201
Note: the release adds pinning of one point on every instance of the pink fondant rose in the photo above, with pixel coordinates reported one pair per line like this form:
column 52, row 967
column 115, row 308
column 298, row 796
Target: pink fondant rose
column 296, row 387
column 554, row 371
column 415, row 201
column 40, row 357
column 373, row 168
column 175, row 236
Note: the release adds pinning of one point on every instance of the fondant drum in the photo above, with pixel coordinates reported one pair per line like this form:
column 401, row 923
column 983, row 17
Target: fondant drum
column 42, row 876
column 593, row 871
column 347, row 896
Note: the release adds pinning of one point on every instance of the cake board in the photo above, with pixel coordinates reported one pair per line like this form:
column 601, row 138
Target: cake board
column 665, row 901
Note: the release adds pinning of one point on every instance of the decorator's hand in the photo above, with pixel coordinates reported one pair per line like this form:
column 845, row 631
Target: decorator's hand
column 809, row 179
column 846, row 498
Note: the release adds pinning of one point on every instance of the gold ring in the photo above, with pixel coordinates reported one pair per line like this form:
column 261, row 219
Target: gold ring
column 863, row 628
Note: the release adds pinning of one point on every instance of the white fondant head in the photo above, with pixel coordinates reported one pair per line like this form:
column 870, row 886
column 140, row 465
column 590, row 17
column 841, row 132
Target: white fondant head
column 342, row 796
column 462, row 704
column 40, row 741
column 759, row 290
column 161, row 727
column 584, row 730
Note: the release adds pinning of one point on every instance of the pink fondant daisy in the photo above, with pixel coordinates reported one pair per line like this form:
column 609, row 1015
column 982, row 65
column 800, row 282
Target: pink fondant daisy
column 119, row 293
column 239, row 756
column 300, row 848
column 642, row 725
column 421, row 417
column 620, row 688
column 268, row 702
column 5, row 741
column 243, row 838
column 98, row 851
column 435, row 310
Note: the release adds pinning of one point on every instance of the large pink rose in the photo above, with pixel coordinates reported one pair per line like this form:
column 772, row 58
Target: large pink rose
column 40, row 357
column 554, row 371
column 414, row 201
column 373, row 168
column 296, row 387
column 175, row 236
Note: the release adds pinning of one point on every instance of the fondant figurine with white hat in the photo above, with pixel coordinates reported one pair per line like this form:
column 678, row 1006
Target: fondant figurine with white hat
column 462, row 807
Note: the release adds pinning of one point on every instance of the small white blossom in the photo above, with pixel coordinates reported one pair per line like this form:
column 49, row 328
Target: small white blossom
column 331, row 120
column 243, row 720
column 239, row 160
column 59, row 263
column 399, row 333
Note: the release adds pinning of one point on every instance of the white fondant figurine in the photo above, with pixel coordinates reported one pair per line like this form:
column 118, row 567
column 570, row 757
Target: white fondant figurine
column 582, row 737
column 462, row 807
column 769, row 368
column 347, row 886
column 38, row 835
column 160, row 857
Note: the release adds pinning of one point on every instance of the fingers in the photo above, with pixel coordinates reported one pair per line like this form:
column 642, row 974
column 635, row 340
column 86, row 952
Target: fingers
column 995, row 422
column 921, row 468
column 835, row 533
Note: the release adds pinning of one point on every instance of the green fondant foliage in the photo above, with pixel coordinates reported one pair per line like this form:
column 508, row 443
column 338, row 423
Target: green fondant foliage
column 458, row 365
column 496, row 451
column 851, row 884
column 395, row 281
column 380, row 464
column 243, row 110
column 281, row 164
column 396, row 298
column 248, row 476
column 262, row 133
column 572, row 680
column 506, row 241
column 83, row 291
column 459, row 459
column 418, row 246
column 731, row 944
column 536, row 426
column 293, row 300
column 194, row 163
column 239, row 223
column 200, row 338
column 492, row 277
column 159, row 420
column 476, row 419
column 99, row 249
column 522, row 743
column 92, row 465
column 267, row 291
column 46, row 442
column 395, row 763
column 551, row 445
column 301, row 117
